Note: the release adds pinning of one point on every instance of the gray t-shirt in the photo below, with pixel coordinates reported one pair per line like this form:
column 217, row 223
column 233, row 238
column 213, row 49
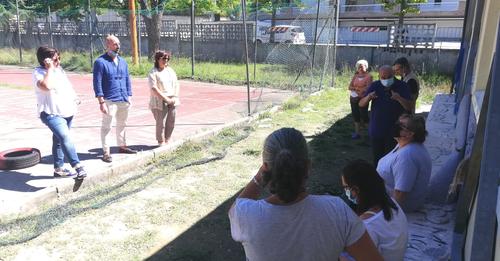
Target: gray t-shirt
column 316, row 228
column 407, row 169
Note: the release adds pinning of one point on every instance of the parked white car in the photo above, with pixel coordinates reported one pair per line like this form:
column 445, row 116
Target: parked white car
column 282, row 34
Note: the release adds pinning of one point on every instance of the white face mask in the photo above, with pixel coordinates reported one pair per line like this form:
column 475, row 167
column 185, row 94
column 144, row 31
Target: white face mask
column 387, row 82
column 350, row 197
column 113, row 53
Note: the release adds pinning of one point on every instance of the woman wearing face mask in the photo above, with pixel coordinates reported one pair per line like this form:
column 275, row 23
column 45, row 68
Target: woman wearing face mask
column 383, row 218
column 359, row 83
column 290, row 224
column 164, row 96
column 406, row 170
column 57, row 102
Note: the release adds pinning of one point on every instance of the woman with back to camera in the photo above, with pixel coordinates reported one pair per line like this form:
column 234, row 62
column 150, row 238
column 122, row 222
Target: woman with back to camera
column 406, row 169
column 384, row 220
column 164, row 96
column 359, row 83
column 56, row 105
column 291, row 224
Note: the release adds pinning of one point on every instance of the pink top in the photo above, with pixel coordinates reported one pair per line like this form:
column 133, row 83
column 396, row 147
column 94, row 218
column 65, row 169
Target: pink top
column 360, row 83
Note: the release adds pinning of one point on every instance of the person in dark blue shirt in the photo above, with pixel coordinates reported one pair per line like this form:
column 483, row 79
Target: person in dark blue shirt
column 113, row 90
column 390, row 98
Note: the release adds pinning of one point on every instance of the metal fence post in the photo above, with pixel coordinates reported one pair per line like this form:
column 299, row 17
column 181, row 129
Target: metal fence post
column 49, row 20
column 19, row 33
column 192, row 38
column 244, row 15
column 335, row 39
column 90, row 35
column 315, row 38
column 255, row 40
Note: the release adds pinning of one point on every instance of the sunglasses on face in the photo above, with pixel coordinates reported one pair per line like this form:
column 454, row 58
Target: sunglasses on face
column 165, row 58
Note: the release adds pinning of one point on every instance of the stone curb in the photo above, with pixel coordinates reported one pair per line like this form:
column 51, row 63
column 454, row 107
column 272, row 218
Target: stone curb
column 50, row 194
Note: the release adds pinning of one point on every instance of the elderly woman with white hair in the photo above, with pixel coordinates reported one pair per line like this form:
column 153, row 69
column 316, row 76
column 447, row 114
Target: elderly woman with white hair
column 359, row 83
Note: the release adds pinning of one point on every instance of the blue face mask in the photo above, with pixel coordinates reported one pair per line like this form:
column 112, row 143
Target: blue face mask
column 114, row 53
column 387, row 82
column 350, row 197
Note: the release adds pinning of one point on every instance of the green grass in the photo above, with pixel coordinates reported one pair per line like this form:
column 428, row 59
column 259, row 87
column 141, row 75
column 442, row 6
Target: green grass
column 129, row 213
column 267, row 75
column 431, row 84
column 175, row 207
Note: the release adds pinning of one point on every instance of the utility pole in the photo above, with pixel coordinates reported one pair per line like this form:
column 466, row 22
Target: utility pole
column 133, row 31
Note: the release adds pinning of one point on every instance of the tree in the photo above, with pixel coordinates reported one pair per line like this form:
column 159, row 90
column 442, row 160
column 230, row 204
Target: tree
column 405, row 7
column 218, row 7
column 152, row 12
column 5, row 14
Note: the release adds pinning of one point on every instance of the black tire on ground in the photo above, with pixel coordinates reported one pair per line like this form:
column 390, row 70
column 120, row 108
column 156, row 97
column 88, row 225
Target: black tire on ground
column 19, row 158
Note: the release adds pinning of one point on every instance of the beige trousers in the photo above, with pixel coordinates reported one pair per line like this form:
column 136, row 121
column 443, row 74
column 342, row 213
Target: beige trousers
column 118, row 110
column 165, row 122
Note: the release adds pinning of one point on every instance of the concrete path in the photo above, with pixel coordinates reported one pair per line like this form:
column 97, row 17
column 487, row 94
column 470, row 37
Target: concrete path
column 204, row 108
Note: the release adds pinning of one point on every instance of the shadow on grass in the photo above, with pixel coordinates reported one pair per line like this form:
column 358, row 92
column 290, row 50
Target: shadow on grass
column 210, row 238
column 330, row 151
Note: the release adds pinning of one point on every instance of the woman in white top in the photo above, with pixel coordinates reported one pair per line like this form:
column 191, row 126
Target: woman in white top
column 56, row 105
column 385, row 221
column 164, row 96
column 290, row 224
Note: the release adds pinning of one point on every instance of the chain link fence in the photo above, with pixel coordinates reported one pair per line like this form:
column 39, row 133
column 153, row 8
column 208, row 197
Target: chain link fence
column 292, row 47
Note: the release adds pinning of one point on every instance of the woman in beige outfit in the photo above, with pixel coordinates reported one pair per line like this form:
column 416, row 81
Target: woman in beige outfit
column 164, row 96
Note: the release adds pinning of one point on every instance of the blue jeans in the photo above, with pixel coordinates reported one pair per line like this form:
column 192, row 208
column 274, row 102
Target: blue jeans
column 61, row 141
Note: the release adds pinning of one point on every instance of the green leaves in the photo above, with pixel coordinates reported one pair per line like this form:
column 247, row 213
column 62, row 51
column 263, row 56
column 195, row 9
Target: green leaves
column 404, row 6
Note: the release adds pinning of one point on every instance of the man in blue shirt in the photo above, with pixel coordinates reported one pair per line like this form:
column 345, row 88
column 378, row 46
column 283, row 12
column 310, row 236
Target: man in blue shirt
column 113, row 91
column 389, row 98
